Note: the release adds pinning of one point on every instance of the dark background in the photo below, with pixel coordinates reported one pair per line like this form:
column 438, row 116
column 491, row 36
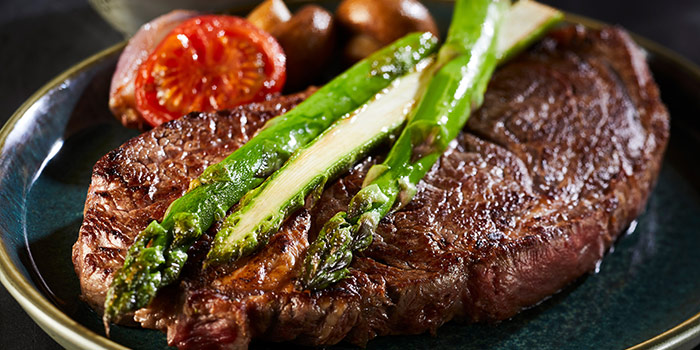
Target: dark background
column 41, row 38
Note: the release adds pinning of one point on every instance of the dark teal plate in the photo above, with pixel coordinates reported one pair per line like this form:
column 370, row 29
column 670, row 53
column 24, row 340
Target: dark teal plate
column 646, row 292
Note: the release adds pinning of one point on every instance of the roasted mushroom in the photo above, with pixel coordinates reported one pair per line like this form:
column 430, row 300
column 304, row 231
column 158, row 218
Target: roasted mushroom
column 269, row 14
column 307, row 39
column 373, row 24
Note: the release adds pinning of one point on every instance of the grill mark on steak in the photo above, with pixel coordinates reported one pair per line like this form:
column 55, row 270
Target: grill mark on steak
column 561, row 157
column 134, row 184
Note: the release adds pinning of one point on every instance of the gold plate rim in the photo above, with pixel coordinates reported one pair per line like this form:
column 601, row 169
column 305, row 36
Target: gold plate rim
column 66, row 331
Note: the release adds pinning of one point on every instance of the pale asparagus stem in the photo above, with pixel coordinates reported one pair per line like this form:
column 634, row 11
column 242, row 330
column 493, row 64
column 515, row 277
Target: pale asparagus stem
column 262, row 211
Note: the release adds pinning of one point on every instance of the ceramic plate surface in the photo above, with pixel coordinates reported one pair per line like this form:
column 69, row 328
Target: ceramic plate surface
column 645, row 294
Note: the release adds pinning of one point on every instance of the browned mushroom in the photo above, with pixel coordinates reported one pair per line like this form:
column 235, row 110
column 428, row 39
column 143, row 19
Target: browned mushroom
column 269, row 14
column 375, row 23
column 307, row 39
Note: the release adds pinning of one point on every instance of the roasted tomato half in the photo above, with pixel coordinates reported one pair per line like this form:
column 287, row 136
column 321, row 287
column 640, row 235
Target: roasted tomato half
column 205, row 64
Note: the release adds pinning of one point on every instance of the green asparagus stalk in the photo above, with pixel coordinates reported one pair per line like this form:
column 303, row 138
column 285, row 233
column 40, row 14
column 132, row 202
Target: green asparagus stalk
column 465, row 64
column 262, row 211
column 525, row 23
column 158, row 254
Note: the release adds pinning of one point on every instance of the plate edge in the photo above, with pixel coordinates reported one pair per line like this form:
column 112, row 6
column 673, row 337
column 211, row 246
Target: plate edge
column 63, row 329
column 686, row 334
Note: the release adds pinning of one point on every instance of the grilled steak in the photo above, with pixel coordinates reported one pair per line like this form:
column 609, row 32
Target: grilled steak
column 558, row 161
column 134, row 184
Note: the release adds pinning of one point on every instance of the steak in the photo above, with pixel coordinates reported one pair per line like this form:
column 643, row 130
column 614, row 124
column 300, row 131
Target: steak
column 134, row 184
column 559, row 160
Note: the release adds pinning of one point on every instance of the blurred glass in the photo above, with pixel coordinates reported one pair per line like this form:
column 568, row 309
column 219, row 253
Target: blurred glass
column 128, row 15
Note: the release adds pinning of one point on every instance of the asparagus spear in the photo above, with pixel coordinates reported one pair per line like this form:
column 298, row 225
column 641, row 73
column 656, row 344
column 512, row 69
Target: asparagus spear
column 262, row 211
column 158, row 254
column 466, row 63
column 525, row 22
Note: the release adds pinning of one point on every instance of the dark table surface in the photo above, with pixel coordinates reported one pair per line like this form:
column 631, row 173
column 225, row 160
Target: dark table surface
column 41, row 38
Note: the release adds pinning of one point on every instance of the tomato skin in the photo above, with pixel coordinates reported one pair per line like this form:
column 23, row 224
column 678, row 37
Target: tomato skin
column 208, row 63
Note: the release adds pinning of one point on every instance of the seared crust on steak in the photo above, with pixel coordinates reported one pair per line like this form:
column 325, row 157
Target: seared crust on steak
column 134, row 184
column 561, row 157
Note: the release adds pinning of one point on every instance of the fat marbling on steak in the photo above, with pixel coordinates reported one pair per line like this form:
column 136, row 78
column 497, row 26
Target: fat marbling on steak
column 559, row 160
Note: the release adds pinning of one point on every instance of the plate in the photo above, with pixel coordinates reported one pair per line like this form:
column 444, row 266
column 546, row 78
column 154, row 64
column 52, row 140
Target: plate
column 645, row 295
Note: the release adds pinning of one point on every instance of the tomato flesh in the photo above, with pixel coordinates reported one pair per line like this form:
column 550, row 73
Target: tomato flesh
column 205, row 64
